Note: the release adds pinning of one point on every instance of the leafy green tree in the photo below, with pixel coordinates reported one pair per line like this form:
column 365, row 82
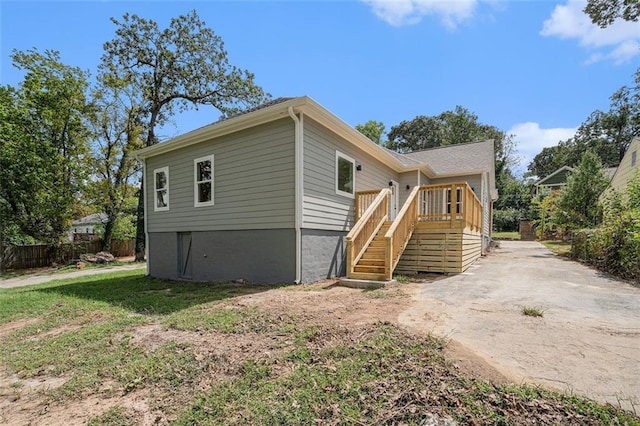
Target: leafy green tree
column 578, row 205
column 174, row 69
column 117, row 133
column 608, row 134
column 454, row 127
column 373, row 130
column 604, row 12
column 44, row 136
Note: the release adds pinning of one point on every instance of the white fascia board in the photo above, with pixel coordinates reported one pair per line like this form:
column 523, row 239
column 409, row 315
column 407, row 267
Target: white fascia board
column 332, row 122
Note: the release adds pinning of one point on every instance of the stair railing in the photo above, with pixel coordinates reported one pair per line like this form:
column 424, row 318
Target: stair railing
column 398, row 235
column 366, row 228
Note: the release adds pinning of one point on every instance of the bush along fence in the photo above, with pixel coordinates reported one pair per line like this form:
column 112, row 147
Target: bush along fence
column 40, row 255
column 612, row 249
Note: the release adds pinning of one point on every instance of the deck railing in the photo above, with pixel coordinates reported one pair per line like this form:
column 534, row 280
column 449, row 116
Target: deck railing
column 363, row 201
column 399, row 233
column 455, row 203
column 366, row 227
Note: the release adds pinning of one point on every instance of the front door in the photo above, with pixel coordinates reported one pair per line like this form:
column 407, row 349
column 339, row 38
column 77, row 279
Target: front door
column 184, row 255
column 394, row 200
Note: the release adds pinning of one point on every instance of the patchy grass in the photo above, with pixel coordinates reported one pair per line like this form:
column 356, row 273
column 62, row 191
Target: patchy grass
column 505, row 235
column 532, row 312
column 402, row 279
column 559, row 248
column 210, row 355
column 24, row 273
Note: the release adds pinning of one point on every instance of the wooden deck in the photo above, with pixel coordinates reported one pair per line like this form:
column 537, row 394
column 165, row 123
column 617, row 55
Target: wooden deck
column 437, row 230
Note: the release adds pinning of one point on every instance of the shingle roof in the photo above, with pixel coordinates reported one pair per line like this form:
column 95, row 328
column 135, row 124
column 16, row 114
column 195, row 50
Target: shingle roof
column 457, row 159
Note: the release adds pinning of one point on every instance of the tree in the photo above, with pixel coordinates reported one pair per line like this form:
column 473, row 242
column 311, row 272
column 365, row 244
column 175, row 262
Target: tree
column 174, row 69
column 608, row 134
column 373, row 130
column 44, row 146
column 454, row 127
column 578, row 205
column 117, row 131
column 604, row 12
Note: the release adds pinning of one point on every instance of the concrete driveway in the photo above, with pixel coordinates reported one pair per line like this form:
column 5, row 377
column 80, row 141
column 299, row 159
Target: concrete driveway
column 588, row 340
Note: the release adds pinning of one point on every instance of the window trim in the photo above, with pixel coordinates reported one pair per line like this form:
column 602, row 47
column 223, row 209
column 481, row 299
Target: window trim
column 353, row 174
column 196, row 182
column 157, row 208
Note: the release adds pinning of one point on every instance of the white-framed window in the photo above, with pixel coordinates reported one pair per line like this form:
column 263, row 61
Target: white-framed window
column 203, row 181
column 161, row 189
column 345, row 175
column 634, row 156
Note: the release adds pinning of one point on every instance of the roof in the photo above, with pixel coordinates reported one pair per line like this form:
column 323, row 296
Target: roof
column 558, row 177
column 464, row 158
column 609, row 172
column 91, row 219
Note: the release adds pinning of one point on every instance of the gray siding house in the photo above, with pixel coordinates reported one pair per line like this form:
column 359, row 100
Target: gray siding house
column 270, row 195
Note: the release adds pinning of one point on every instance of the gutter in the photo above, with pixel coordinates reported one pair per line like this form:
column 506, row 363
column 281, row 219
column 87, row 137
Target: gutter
column 299, row 176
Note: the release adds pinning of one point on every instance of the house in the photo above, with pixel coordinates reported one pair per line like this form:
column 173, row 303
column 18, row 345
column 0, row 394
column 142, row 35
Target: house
column 288, row 192
column 558, row 179
column 85, row 228
column 627, row 169
column 555, row 181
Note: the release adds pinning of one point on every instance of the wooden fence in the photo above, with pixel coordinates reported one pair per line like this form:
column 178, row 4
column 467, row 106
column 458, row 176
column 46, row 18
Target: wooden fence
column 40, row 255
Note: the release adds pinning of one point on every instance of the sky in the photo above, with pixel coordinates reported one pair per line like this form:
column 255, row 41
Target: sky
column 534, row 69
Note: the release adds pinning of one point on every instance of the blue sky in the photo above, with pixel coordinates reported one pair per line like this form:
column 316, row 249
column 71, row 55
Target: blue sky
column 532, row 68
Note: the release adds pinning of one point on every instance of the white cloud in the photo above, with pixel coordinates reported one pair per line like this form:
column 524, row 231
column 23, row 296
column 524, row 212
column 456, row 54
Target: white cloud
column 531, row 138
column 618, row 42
column 409, row 12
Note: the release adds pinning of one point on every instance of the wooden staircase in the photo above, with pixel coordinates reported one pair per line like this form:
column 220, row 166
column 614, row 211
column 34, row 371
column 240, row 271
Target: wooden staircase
column 371, row 266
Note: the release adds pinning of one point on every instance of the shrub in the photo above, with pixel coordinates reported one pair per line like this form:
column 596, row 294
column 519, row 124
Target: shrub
column 506, row 220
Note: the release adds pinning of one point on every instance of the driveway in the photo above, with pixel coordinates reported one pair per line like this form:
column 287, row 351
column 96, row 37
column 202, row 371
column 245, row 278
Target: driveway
column 588, row 340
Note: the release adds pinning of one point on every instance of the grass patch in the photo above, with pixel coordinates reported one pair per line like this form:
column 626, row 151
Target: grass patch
column 532, row 312
column 559, row 248
column 505, row 235
column 385, row 376
column 89, row 330
column 402, row 279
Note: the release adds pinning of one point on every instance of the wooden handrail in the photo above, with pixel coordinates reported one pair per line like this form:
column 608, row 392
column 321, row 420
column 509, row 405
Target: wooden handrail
column 398, row 235
column 366, row 227
column 446, row 207
column 363, row 201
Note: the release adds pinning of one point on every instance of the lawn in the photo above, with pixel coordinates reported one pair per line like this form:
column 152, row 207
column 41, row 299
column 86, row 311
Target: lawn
column 122, row 348
column 505, row 235
column 559, row 248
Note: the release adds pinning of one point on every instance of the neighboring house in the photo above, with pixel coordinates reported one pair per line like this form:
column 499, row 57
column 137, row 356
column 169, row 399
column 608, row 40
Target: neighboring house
column 555, row 181
column 628, row 167
column 288, row 192
column 558, row 179
column 85, row 228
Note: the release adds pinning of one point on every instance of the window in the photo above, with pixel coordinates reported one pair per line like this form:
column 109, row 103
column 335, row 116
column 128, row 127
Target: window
column 634, row 154
column 345, row 176
column 203, row 181
column 161, row 189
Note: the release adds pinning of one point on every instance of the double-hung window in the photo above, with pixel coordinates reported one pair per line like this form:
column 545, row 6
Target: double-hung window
column 203, row 181
column 161, row 189
column 345, row 175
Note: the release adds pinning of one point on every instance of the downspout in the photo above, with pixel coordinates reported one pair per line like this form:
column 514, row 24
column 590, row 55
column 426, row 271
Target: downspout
column 299, row 176
column 144, row 200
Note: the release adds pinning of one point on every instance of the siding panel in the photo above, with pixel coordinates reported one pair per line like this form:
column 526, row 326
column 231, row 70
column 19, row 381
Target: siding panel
column 322, row 207
column 254, row 173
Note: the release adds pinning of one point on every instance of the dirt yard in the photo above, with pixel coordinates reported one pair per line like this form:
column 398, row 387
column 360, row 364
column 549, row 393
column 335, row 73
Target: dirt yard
column 587, row 341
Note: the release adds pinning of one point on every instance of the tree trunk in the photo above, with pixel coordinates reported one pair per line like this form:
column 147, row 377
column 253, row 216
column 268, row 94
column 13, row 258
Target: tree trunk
column 140, row 234
column 108, row 232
